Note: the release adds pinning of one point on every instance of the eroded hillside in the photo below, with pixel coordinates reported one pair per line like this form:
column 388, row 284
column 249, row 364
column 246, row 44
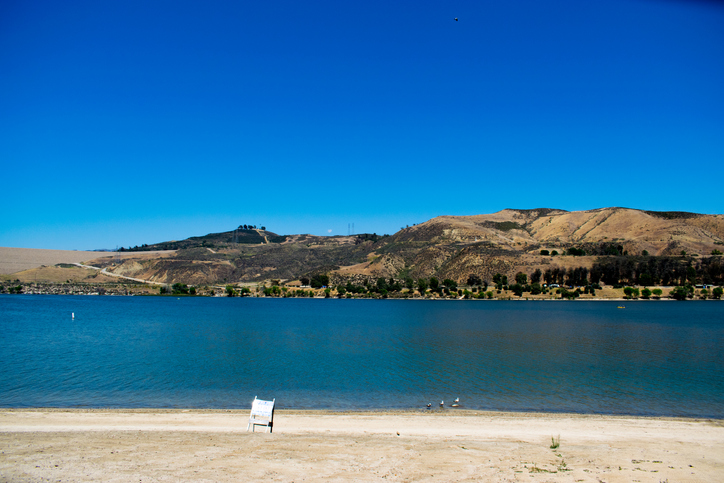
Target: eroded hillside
column 452, row 247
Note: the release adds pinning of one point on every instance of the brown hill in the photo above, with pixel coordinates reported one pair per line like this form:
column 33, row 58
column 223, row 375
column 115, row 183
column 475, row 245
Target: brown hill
column 452, row 247
column 511, row 240
column 657, row 232
column 14, row 260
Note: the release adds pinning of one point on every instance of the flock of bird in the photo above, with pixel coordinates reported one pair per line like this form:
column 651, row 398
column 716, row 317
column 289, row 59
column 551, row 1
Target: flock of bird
column 455, row 404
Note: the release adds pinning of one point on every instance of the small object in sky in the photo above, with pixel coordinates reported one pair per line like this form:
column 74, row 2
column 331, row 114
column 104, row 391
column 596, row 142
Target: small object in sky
column 456, row 19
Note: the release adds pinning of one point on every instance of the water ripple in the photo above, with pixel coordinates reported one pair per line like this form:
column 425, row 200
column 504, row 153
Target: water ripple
column 653, row 358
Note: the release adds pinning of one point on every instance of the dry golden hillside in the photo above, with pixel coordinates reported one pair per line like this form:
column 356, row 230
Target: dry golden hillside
column 511, row 240
column 636, row 230
column 452, row 247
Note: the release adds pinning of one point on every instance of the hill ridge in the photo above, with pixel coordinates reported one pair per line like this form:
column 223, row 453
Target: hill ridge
column 445, row 246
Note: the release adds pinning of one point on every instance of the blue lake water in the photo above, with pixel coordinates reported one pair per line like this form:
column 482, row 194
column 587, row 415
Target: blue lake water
column 651, row 358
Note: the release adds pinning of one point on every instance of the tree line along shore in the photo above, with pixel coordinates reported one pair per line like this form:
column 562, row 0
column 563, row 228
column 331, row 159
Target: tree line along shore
column 617, row 277
column 431, row 289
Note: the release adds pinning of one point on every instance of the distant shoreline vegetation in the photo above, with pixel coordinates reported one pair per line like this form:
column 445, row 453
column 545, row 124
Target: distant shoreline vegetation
column 422, row 289
column 610, row 277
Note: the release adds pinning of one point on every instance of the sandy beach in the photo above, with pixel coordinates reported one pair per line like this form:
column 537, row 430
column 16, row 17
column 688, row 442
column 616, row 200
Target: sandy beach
column 437, row 445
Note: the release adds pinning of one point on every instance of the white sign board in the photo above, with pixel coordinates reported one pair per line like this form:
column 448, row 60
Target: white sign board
column 262, row 409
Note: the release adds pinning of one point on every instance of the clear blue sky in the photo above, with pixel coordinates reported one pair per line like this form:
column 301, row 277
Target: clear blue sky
column 133, row 122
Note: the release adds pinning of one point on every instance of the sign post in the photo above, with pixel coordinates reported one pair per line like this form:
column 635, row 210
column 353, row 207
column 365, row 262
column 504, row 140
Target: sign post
column 262, row 414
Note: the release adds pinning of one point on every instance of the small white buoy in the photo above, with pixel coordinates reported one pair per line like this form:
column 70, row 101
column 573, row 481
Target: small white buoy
column 72, row 315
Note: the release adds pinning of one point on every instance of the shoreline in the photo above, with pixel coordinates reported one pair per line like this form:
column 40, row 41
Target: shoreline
column 438, row 299
column 464, row 445
column 446, row 412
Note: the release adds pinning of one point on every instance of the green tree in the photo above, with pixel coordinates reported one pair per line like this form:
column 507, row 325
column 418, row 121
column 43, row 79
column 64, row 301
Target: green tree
column 717, row 293
column 678, row 293
column 319, row 281
column 657, row 292
column 500, row 280
column 545, row 252
column 691, row 273
column 554, row 253
column 631, row 293
column 409, row 283
column 536, row 276
column 517, row 289
column 192, row 290
column 451, row 285
column 180, row 289
column 434, row 284
column 382, row 285
column 645, row 293
column 645, row 253
column 521, row 278
column 230, row 292
column 422, row 286
column 474, row 280
column 715, row 252
column 304, row 281
column 646, row 279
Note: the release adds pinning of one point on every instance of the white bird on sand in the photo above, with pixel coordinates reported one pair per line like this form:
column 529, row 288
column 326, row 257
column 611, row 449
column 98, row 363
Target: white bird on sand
column 456, row 403
column 429, row 405
column 442, row 403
